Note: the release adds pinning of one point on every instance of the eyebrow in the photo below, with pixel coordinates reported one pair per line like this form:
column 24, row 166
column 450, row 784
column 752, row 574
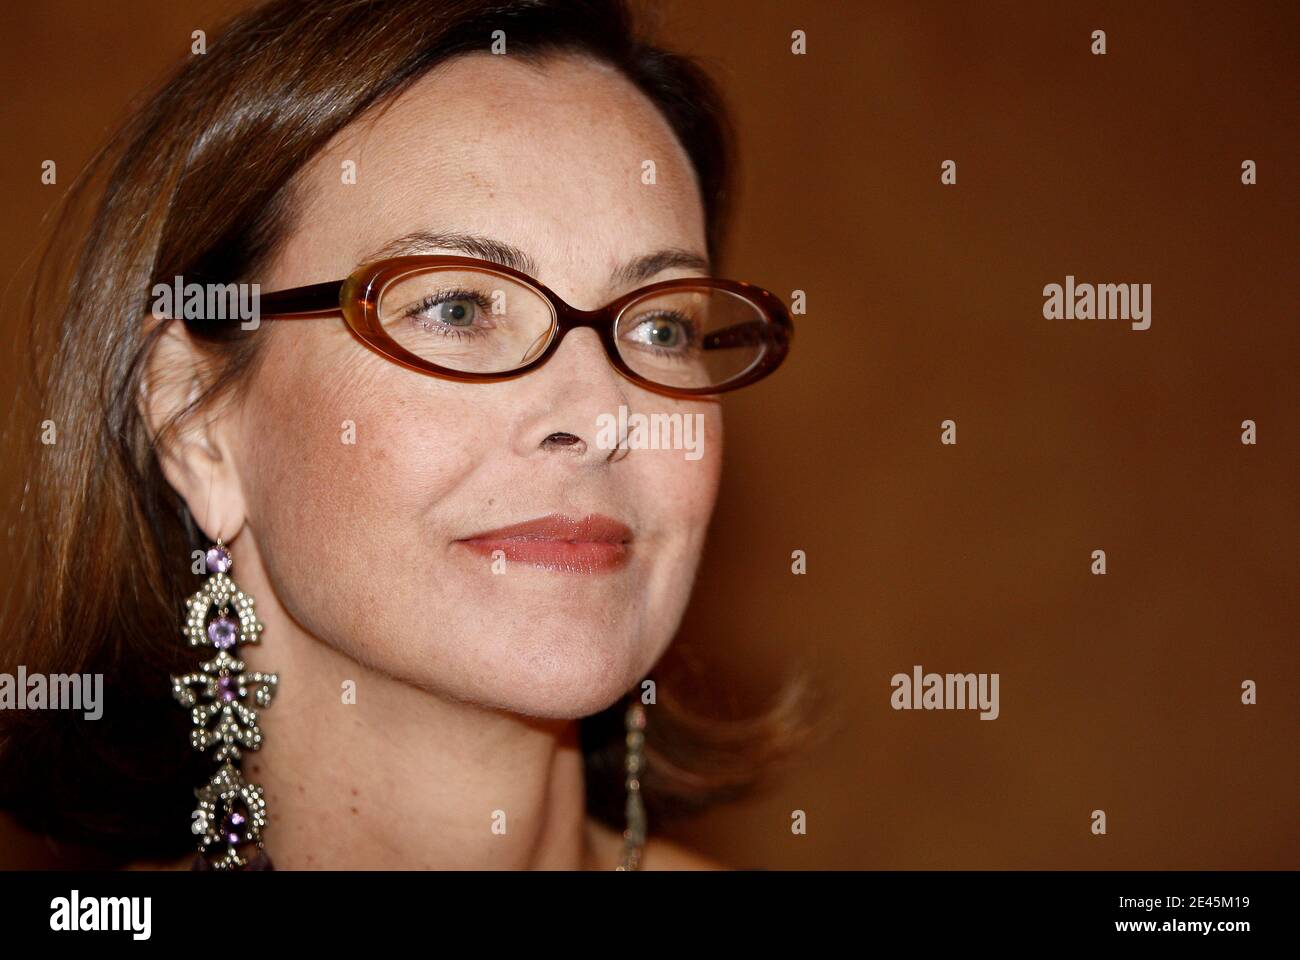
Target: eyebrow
column 634, row 271
column 645, row 267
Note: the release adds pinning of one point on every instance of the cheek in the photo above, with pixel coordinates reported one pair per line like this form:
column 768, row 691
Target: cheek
column 348, row 447
column 675, row 493
column 689, row 478
column 340, row 470
column 697, row 458
column 676, row 496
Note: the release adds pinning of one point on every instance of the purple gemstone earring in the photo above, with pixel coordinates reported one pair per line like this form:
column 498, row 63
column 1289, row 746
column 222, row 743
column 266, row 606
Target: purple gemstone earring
column 231, row 813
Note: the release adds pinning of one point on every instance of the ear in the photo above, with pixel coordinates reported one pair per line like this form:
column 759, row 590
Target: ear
column 197, row 454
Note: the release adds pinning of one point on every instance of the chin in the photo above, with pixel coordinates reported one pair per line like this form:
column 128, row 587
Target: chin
column 562, row 671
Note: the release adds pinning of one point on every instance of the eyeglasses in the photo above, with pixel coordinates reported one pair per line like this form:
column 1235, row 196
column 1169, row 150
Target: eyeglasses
column 477, row 321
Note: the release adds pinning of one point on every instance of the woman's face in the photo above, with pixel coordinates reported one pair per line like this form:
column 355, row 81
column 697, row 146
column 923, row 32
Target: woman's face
column 364, row 487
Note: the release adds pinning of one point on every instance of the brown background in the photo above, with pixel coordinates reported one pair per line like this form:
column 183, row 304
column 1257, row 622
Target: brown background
column 1119, row 692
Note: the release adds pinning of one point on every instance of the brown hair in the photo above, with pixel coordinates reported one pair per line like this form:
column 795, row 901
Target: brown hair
column 198, row 183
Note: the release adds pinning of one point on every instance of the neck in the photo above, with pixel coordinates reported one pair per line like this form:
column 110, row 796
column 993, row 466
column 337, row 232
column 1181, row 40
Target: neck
column 402, row 778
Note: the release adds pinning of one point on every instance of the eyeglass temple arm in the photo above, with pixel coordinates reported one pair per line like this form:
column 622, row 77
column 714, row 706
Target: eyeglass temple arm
column 301, row 301
column 747, row 334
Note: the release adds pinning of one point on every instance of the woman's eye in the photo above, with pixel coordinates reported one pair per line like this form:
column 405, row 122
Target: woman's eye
column 454, row 313
column 666, row 332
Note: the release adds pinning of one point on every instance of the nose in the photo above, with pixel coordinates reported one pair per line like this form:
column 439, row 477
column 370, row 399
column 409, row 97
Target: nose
column 571, row 404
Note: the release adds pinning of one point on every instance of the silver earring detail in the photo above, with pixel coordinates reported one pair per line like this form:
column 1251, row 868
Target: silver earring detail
column 221, row 696
column 634, row 762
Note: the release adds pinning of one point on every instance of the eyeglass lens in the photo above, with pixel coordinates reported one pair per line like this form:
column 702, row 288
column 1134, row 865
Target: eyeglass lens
column 476, row 321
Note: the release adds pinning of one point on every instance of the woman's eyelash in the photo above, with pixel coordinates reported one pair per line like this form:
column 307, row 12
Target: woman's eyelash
column 434, row 299
column 414, row 311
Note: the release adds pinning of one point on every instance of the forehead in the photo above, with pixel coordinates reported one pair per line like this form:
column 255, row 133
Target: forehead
column 551, row 157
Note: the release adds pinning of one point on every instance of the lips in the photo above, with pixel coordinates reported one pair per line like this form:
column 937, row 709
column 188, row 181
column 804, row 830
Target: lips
column 591, row 544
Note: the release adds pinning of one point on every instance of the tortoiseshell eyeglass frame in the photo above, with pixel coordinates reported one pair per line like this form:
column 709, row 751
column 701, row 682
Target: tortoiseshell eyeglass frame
column 358, row 296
